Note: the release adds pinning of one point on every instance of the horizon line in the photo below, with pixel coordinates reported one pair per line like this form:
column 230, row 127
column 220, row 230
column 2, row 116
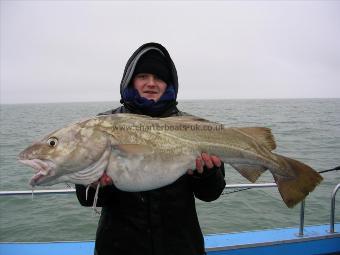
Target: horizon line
column 179, row 100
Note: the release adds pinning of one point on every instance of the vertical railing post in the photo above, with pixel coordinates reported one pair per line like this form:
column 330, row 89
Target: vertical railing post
column 302, row 218
column 332, row 218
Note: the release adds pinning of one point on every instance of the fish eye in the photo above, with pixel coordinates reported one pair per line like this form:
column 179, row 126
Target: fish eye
column 52, row 141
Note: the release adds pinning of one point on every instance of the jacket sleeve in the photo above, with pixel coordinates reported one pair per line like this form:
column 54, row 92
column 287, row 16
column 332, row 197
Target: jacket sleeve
column 104, row 195
column 209, row 185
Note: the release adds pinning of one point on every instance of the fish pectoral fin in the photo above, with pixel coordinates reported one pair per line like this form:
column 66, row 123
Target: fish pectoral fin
column 134, row 149
column 250, row 172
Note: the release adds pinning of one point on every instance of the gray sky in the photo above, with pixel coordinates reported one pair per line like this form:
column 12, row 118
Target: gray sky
column 64, row 51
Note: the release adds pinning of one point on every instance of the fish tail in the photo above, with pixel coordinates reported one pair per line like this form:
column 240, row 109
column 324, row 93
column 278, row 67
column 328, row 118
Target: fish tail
column 295, row 188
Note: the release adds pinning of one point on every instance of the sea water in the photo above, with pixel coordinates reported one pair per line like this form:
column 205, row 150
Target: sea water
column 304, row 129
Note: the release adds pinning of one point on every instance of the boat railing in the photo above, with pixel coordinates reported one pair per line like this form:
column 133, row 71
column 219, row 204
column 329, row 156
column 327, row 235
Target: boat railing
column 228, row 186
column 332, row 217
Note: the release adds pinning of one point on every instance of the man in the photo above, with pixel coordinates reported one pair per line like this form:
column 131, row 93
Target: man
column 161, row 221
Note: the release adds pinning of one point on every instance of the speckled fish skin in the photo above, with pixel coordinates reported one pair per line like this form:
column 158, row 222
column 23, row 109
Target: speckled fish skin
column 141, row 153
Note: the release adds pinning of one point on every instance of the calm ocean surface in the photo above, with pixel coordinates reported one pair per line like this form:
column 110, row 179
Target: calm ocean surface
column 305, row 129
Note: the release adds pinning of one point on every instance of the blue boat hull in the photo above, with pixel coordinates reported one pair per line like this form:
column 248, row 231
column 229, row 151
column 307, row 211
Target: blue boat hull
column 316, row 241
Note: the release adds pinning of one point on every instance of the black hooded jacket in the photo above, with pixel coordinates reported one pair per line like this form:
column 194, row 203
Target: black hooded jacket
column 157, row 222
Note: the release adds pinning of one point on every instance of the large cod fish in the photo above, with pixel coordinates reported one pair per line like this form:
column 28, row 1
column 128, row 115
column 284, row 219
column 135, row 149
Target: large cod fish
column 142, row 153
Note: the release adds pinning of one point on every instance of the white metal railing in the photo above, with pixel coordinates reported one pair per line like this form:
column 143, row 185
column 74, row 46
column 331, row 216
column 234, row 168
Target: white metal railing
column 37, row 192
column 228, row 186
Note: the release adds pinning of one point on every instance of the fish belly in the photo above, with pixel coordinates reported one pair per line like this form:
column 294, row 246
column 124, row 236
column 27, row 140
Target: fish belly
column 141, row 173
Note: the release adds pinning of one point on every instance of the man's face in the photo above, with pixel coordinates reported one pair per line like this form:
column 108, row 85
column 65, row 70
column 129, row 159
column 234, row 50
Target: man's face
column 149, row 86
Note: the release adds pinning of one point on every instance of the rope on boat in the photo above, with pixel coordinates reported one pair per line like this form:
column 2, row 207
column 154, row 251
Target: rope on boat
column 330, row 170
column 226, row 192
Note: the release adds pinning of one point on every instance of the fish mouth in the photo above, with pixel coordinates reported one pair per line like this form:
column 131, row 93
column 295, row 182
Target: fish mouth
column 43, row 170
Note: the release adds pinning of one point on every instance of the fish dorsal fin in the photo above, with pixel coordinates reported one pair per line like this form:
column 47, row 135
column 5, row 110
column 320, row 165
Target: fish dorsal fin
column 186, row 118
column 250, row 172
column 134, row 149
column 262, row 135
